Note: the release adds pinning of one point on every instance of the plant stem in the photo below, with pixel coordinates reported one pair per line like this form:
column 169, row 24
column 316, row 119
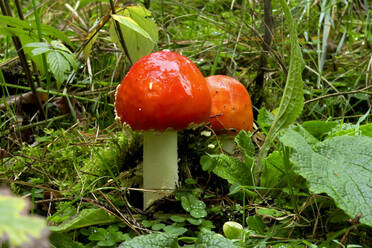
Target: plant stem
column 5, row 8
column 40, row 34
column 160, row 170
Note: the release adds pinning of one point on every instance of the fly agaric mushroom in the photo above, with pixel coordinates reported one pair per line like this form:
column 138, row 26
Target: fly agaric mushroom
column 162, row 93
column 231, row 108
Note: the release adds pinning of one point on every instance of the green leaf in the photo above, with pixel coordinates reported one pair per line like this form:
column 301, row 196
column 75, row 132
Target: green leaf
column 15, row 225
column 244, row 142
column 340, row 167
column 153, row 240
column 208, row 239
column 58, row 65
column 176, row 230
column 273, row 172
column 265, row 118
column 140, row 33
column 65, row 240
column 131, row 24
column 40, row 50
column 52, row 32
column 292, row 100
column 194, row 206
column 14, row 22
column 366, row 129
column 87, row 217
column 233, row 170
column 256, row 224
column 319, row 128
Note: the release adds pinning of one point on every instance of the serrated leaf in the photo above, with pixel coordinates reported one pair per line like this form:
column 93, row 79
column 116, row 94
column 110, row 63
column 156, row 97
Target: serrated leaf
column 87, row 217
column 58, row 65
column 153, row 240
column 15, row 225
column 244, row 142
column 208, row 239
column 231, row 169
column 340, row 167
column 71, row 59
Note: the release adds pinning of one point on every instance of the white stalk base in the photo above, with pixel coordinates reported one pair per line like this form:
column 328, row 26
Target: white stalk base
column 160, row 168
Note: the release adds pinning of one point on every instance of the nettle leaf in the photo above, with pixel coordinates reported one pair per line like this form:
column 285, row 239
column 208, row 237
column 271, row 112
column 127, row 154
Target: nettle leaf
column 233, row 170
column 340, row 167
column 15, row 225
column 58, row 65
column 209, row 239
column 87, row 217
column 140, row 32
column 153, row 240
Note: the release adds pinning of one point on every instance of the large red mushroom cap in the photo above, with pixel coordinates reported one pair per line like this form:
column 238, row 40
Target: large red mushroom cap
column 231, row 105
column 163, row 90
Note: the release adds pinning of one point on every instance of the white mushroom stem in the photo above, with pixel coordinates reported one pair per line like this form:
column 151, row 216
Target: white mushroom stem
column 160, row 168
column 227, row 143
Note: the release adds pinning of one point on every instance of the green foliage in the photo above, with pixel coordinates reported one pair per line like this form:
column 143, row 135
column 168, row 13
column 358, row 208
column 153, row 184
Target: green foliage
column 292, row 100
column 208, row 239
column 339, row 166
column 154, row 240
column 232, row 169
column 87, row 217
column 16, row 226
column 140, row 31
column 106, row 237
column 191, row 204
column 59, row 58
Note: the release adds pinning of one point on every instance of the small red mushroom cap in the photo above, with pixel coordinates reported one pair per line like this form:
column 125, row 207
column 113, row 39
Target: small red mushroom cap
column 231, row 105
column 163, row 90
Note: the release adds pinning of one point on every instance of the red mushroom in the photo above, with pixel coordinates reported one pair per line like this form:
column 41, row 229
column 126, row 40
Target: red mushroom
column 162, row 93
column 231, row 108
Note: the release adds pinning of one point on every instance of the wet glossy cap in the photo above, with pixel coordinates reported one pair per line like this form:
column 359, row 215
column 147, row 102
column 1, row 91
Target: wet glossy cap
column 163, row 90
column 231, row 105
